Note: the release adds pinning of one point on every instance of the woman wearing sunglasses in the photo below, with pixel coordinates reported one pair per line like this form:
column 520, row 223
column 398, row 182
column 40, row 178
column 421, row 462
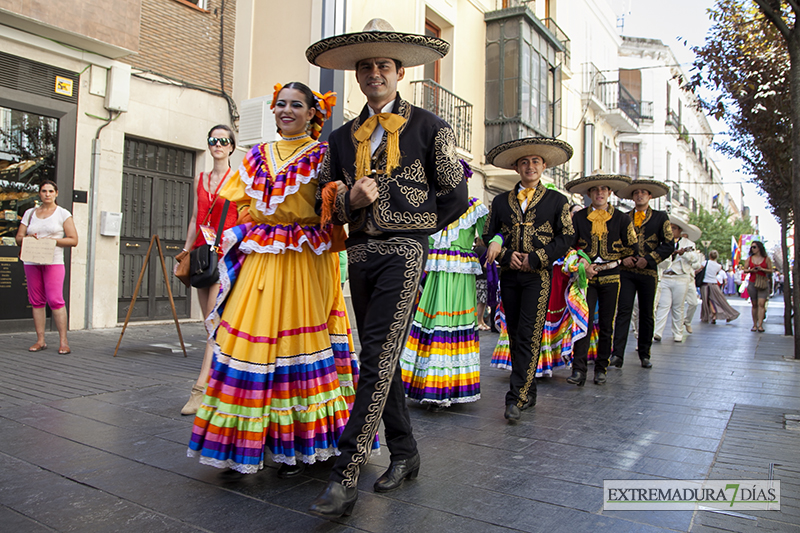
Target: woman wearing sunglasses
column 758, row 285
column 284, row 370
column 207, row 211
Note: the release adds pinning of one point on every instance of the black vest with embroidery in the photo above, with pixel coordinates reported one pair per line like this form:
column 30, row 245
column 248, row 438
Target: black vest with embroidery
column 620, row 241
column 654, row 237
column 424, row 194
column 544, row 230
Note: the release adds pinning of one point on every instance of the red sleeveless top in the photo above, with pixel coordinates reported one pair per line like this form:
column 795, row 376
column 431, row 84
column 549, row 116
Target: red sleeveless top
column 752, row 264
column 204, row 204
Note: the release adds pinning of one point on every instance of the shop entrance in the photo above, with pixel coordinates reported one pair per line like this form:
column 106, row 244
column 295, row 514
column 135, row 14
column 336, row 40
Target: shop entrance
column 28, row 156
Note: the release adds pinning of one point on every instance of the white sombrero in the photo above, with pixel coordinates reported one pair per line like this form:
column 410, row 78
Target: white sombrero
column 692, row 232
column 552, row 151
column 378, row 39
column 656, row 188
column 615, row 182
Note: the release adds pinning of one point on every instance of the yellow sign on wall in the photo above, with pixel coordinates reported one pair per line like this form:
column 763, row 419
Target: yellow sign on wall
column 63, row 86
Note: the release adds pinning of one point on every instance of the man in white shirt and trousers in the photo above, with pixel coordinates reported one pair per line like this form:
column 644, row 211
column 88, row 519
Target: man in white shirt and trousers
column 692, row 299
column 678, row 278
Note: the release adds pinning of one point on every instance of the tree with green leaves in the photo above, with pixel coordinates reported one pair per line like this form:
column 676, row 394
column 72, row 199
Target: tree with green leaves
column 746, row 63
column 718, row 228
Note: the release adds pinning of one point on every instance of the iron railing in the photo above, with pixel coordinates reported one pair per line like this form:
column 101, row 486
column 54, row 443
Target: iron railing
column 559, row 34
column 616, row 96
column 560, row 175
column 647, row 110
column 673, row 119
column 592, row 78
column 454, row 110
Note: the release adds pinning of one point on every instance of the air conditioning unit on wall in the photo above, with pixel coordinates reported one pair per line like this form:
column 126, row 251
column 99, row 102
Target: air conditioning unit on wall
column 256, row 121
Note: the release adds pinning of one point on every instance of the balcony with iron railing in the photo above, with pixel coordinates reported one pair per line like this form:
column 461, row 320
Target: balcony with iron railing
column 673, row 120
column 560, row 175
column 559, row 34
column 647, row 111
column 592, row 78
column 455, row 111
column 616, row 97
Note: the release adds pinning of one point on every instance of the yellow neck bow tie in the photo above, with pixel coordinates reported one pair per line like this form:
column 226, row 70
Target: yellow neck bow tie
column 392, row 124
column 598, row 218
column 528, row 193
column 638, row 218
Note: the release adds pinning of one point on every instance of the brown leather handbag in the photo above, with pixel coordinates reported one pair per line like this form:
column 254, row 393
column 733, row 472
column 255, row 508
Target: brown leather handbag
column 182, row 272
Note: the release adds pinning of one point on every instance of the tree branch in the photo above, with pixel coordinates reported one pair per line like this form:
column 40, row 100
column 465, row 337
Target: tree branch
column 795, row 6
column 775, row 17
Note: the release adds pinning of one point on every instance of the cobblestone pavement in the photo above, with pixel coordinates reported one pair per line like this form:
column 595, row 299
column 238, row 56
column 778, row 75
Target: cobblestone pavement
column 94, row 443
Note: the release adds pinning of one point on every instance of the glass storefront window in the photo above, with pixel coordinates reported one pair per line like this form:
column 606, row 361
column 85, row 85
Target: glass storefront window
column 27, row 157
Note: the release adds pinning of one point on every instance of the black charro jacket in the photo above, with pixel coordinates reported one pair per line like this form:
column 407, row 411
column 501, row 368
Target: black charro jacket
column 423, row 195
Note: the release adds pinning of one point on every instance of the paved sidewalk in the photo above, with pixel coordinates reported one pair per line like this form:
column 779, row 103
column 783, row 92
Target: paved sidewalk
column 93, row 443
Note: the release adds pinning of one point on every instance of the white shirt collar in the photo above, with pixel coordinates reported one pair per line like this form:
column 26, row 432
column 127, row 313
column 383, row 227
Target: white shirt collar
column 385, row 109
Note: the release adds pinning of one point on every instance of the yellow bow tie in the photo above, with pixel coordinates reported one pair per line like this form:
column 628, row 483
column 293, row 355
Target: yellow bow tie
column 526, row 193
column 638, row 218
column 598, row 218
column 392, row 124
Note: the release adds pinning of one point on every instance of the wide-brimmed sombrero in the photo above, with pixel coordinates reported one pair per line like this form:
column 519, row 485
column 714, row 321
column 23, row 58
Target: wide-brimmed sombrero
column 553, row 151
column 656, row 188
column 615, row 182
column 378, row 39
column 692, row 232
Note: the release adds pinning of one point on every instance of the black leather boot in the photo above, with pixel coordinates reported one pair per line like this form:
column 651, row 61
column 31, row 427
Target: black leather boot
column 398, row 472
column 335, row 501
column 577, row 378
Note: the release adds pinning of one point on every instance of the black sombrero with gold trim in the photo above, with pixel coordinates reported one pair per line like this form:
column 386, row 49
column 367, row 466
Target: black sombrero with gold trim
column 656, row 188
column 615, row 182
column 378, row 39
column 553, row 151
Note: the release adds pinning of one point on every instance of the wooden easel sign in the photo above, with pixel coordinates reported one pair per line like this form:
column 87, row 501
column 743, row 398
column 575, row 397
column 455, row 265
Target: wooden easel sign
column 153, row 239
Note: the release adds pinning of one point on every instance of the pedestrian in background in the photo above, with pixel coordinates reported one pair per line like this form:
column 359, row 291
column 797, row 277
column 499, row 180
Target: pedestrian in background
column 678, row 278
column 46, row 281
column 206, row 215
column 715, row 305
column 759, row 267
column 730, row 282
column 692, row 300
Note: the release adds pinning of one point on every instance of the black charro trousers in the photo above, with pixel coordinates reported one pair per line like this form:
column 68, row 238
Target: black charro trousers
column 631, row 283
column 385, row 274
column 602, row 290
column 525, row 296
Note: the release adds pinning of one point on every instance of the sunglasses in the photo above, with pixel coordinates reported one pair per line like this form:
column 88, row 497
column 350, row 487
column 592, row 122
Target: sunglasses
column 224, row 141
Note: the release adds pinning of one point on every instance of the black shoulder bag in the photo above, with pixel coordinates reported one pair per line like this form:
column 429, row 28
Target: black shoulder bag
column 203, row 267
column 700, row 276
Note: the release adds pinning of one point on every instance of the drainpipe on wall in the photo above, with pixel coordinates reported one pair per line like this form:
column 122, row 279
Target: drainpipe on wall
column 90, row 242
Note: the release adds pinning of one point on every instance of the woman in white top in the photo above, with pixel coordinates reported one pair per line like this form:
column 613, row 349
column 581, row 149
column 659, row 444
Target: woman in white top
column 46, row 280
column 714, row 302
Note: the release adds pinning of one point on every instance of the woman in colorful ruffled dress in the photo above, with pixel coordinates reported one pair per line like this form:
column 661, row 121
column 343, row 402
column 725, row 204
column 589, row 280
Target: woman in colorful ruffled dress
column 284, row 371
column 441, row 361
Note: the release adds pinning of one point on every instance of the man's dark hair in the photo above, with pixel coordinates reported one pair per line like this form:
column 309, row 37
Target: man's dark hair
column 397, row 63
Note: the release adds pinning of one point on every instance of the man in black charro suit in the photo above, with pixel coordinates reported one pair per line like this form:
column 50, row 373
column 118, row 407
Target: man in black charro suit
column 396, row 180
column 639, row 274
column 528, row 228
